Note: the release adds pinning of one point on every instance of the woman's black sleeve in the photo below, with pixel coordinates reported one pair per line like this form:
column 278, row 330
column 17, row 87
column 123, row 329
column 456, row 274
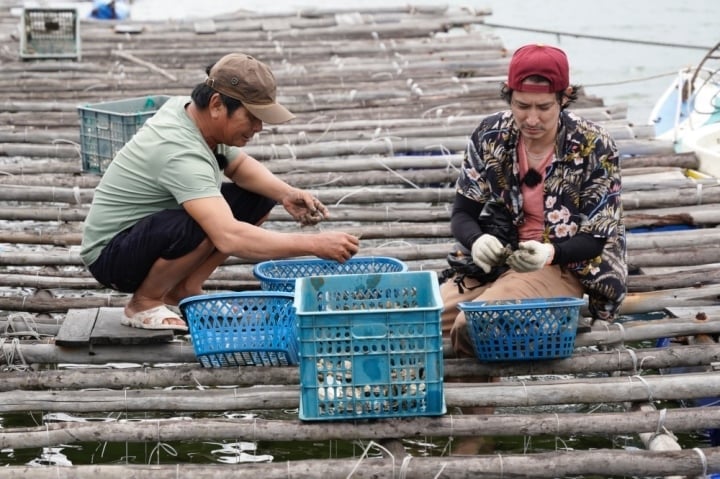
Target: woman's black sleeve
column 464, row 220
column 580, row 247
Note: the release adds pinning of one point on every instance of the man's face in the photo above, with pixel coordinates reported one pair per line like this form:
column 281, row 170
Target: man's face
column 536, row 114
column 240, row 127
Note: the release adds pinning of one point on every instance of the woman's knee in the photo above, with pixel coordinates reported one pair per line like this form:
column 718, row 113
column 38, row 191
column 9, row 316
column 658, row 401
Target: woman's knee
column 460, row 337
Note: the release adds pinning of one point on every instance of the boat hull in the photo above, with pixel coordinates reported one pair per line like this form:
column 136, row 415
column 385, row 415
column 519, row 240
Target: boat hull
column 705, row 143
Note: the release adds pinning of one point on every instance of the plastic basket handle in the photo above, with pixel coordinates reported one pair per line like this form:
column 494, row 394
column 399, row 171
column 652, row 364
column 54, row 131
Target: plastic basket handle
column 369, row 331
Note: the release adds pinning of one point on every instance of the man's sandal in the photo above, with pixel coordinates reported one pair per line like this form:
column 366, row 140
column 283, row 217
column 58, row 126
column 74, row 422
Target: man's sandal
column 154, row 318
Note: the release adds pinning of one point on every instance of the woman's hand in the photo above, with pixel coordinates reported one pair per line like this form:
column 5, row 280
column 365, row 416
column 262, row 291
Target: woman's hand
column 531, row 256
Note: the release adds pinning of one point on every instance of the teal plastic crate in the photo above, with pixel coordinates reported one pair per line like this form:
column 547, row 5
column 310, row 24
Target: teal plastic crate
column 280, row 275
column 50, row 33
column 370, row 346
column 522, row 329
column 249, row 328
column 106, row 127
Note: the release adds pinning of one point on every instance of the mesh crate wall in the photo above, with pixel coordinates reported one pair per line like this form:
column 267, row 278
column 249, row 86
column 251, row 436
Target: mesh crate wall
column 370, row 346
column 106, row 127
column 50, row 33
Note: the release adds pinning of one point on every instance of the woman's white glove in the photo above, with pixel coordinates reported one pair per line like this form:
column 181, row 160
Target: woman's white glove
column 487, row 251
column 531, row 256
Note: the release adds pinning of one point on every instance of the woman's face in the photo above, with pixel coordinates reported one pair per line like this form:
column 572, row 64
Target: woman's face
column 536, row 114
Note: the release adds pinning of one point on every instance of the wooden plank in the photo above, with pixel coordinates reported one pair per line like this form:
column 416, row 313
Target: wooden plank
column 108, row 330
column 77, row 327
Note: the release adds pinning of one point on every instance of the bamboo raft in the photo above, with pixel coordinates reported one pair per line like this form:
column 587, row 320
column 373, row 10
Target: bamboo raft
column 385, row 101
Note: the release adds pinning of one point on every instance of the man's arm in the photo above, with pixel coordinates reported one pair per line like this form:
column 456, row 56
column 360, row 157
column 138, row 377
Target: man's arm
column 248, row 173
column 237, row 238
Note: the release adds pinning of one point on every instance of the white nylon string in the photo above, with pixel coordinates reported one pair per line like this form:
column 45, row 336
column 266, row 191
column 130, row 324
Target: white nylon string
column 502, row 468
column 647, row 386
column 633, row 356
column 364, row 455
column 703, row 460
column 404, row 466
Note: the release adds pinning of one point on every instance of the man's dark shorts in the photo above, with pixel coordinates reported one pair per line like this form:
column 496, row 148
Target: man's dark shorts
column 169, row 234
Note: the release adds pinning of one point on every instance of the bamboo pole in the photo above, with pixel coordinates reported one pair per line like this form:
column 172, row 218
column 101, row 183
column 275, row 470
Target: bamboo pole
column 241, row 280
column 654, row 241
column 181, row 352
column 370, row 194
column 636, row 303
column 150, row 66
column 603, row 462
column 191, row 374
column 256, row 429
column 519, row 394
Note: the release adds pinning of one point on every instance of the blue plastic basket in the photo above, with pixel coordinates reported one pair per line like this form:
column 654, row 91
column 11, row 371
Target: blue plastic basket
column 250, row 328
column 280, row 275
column 522, row 329
column 370, row 346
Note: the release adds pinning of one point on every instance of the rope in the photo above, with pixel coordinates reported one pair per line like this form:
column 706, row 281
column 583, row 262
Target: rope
column 557, row 422
column 161, row 446
column 448, row 445
column 409, row 182
column 9, row 356
column 364, row 455
column 647, row 386
column 27, row 319
column 502, row 469
column 661, row 422
column 699, row 193
column 622, row 332
column 599, row 37
column 527, row 396
column 404, row 466
column 634, row 359
column 442, row 468
column 631, row 80
column 645, row 358
column 703, row 460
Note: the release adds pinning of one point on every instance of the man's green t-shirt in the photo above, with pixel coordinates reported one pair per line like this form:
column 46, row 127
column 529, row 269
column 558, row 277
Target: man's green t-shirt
column 166, row 163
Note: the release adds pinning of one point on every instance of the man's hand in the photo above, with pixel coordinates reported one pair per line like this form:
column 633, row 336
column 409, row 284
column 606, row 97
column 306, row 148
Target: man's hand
column 488, row 251
column 531, row 256
column 335, row 245
column 304, row 207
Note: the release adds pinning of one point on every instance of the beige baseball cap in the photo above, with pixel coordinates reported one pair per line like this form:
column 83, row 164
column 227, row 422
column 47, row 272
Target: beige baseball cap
column 249, row 80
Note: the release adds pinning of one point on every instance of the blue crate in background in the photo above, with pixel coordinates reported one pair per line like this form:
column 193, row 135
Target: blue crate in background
column 249, row 328
column 106, row 127
column 280, row 275
column 370, row 346
column 522, row 329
